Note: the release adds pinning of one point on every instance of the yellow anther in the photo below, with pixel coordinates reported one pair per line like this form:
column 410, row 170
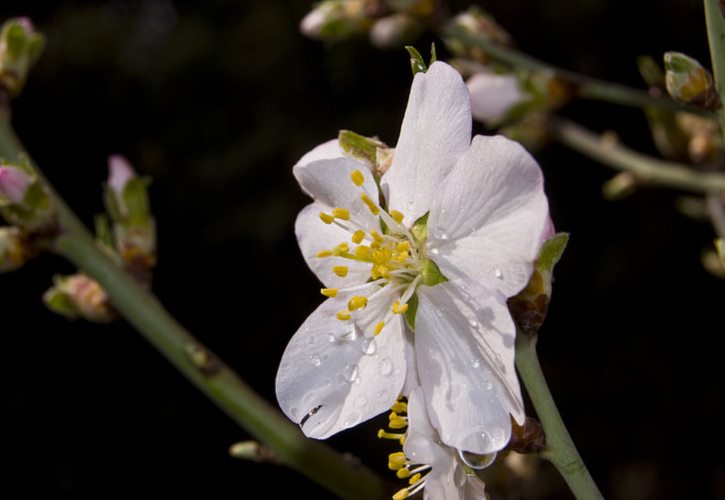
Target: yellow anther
column 397, row 216
column 414, row 478
column 357, row 302
column 358, row 236
column 324, row 253
column 340, row 249
column 399, row 308
column 376, row 236
column 379, row 271
column 398, row 423
column 341, row 213
column 374, row 209
column 403, row 473
column 343, row 315
column 402, row 494
column 382, row 434
column 326, row 218
column 396, row 460
column 400, row 407
column 329, row 292
column 362, row 251
column 341, row 271
column 403, row 246
column 379, row 328
column 357, row 177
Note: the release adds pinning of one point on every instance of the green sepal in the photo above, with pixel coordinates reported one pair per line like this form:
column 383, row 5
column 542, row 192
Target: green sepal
column 359, row 147
column 412, row 309
column 551, row 251
column 417, row 64
column 36, row 198
column 430, row 273
column 420, row 228
column 136, row 201
column 104, row 234
column 109, row 200
column 60, row 303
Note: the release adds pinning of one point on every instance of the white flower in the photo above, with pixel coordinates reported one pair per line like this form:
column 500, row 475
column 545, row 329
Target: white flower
column 452, row 232
column 426, row 463
column 493, row 95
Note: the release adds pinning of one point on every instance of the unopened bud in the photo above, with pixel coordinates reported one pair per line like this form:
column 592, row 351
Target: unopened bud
column 688, row 82
column 79, row 296
column 527, row 438
column 13, row 249
column 395, row 30
column 24, row 201
column 492, row 96
column 14, row 184
column 336, row 20
column 254, row 451
column 620, row 186
column 476, row 22
column 20, row 47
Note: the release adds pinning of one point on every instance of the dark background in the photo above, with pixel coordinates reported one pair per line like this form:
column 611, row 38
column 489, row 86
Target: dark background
column 216, row 101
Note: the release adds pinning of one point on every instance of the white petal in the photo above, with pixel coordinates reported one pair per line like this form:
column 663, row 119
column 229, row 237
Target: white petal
column 313, row 236
column 492, row 95
column 326, row 151
column 488, row 220
column 421, row 439
column 331, row 377
column 464, row 340
column 436, row 132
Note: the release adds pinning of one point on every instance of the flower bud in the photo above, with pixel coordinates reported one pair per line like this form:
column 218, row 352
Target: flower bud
column 476, row 22
column 13, row 249
column 20, row 47
column 336, row 20
column 493, row 95
column 688, row 82
column 79, row 296
column 24, row 201
column 14, row 184
column 394, row 31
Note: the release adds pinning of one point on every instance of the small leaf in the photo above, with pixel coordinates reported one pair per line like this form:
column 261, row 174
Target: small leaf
column 136, row 201
column 417, row 64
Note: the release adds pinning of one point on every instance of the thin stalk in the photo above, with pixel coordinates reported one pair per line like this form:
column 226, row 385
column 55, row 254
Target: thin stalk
column 560, row 449
column 645, row 168
column 716, row 39
column 586, row 87
column 199, row 365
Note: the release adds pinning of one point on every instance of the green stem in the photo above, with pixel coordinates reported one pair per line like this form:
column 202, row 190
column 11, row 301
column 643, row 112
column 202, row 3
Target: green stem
column 215, row 379
column 645, row 168
column 586, row 87
column 716, row 39
column 560, row 449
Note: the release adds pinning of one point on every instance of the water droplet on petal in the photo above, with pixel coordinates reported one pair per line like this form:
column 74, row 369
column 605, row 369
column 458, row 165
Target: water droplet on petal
column 473, row 322
column 293, row 412
column 381, row 395
column 488, row 385
column 331, row 338
column 475, row 461
column 361, row 400
column 434, row 251
column 350, row 373
column 439, row 234
column 498, row 273
column 475, row 363
column 315, row 359
column 386, row 367
column 369, row 346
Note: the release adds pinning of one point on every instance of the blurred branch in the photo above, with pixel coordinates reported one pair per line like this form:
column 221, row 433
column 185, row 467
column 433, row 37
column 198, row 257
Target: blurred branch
column 586, row 87
column 560, row 449
column 716, row 39
column 646, row 168
column 199, row 365
column 716, row 211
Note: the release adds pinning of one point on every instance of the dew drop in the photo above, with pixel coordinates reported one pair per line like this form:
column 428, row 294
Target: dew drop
column 350, row 373
column 358, row 380
column 498, row 273
column 381, row 395
column 386, row 367
column 369, row 346
column 293, row 412
column 473, row 322
column 439, row 234
column 331, row 338
column 488, row 385
column 327, row 381
column 315, row 360
column 475, row 461
column 434, row 251
column 475, row 363
column 361, row 401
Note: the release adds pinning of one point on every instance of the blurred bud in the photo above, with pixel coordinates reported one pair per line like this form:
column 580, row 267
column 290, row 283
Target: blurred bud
column 688, row 82
column 418, row 8
column 14, row 250
column 720, row 249
column 530, row 306
column 493, row 95
column 337, row 19
column 651, row 72
column 24, row 201
column 79, row 296
column 476, row 22
column 704, row 143
column 370, row 150
column 394, row 31
column 531, row 131
column 254, row 451
column 712, row 261
column 134, row 229
column 20, row 47
column 527, row 438
column 620, row 186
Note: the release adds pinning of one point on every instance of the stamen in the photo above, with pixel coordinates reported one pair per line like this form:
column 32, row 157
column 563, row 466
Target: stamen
column 341, row 271
column 326, row 218
column 400, row 407
column 379, row 328
column 374, row 209
column 397, row 422
column 414, row 478
column 398, row 436
column 340, row 249
column 397, row 460
column 324, row 253
column 358, row 236
column 341, row 213
column 343, row 315
column 403, row 473
column 397, row 216
column 357, row 177
column 329, row 292
column 362, row 251
column 357, row 302
column 376, row 236
column 401, row 494
column 399, row 308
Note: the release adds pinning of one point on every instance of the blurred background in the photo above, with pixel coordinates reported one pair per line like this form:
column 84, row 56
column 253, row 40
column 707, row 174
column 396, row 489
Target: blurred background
column 216, row 101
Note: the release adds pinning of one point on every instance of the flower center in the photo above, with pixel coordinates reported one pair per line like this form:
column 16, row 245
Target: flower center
column 396, row 255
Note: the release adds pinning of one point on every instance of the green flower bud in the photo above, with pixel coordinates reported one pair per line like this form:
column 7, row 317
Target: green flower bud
column 79, row 296
column 14, row 250
column 688, row 82
column 20, row 47
column 337, row 19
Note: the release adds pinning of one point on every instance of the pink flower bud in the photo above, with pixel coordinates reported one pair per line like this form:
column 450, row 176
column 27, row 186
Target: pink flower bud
column 14, row 183
column 119, row 173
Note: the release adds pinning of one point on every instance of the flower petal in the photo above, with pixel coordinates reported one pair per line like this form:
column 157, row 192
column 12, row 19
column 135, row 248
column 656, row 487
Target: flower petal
column 335, row 374
column 314, row 236
column 329, row 150
column 492, row 95
column 488, row 220
column 464, row 340
column 421, row 439
column 436, row 132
